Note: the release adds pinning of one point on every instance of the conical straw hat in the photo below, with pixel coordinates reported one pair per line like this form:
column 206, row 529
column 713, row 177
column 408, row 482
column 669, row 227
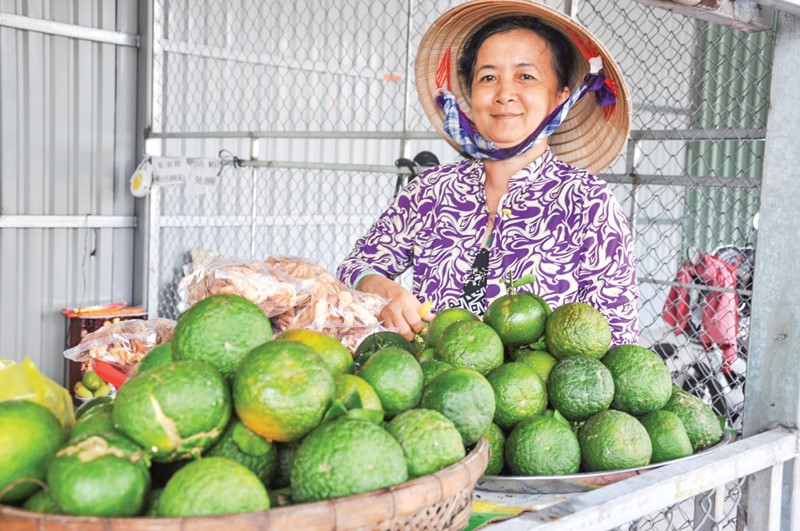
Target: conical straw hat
column 592, row 137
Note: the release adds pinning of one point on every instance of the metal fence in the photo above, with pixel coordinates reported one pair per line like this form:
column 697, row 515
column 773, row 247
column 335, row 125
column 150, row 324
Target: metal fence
column 317, row 97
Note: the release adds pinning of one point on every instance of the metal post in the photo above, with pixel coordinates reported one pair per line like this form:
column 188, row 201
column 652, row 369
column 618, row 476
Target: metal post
column 404, row 151
column 773, row 389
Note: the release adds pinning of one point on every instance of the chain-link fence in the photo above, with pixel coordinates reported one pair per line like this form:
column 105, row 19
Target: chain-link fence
column 318, row 96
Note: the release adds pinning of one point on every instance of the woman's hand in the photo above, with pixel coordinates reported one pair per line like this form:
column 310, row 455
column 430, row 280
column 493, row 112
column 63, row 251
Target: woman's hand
column 402, row 312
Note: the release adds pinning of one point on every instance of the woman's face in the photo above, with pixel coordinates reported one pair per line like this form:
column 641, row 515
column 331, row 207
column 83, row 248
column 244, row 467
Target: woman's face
column 514, row 86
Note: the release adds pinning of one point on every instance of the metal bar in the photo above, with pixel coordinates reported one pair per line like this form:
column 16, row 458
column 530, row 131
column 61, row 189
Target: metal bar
column 193, row 221
column 772, row 393
column 369, row 168
column 300, row 134
column 220, row 53
column 650, row 280
column 790, row 6
column 720, row 181
column 775, row 498
column 740, row 14
column 692, row 135
column 154, row 255
column 688, row 135
column 407, row 89
column 571, row 8
column 73, row 31
column 627, row 500
column 67, row 222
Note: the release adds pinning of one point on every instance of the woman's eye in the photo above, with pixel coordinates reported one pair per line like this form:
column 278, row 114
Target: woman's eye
column 487, row 77
column 527, row 77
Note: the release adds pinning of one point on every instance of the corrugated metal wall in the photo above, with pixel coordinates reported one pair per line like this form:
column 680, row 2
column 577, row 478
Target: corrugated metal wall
column 67, row 147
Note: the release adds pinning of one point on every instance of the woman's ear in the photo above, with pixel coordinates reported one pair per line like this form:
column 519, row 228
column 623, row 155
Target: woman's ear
column 564, row 96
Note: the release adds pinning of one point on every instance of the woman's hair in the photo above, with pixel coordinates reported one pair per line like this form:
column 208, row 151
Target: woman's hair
column 561, row 52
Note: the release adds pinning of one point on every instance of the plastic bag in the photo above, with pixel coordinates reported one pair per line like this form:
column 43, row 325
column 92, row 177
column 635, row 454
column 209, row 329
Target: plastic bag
column 267, row 287
column 123, row 343
column 332, row 308
column 23, row 381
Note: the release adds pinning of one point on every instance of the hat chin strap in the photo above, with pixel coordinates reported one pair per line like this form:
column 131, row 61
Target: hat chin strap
column 461, row 129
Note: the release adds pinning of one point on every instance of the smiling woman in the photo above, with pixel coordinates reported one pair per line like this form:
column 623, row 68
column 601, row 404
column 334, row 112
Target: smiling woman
column 537, row 105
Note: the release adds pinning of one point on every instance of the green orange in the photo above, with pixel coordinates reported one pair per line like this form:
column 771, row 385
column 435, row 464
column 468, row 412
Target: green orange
column 518, row 392
column 29, row 436
column 642, row 382
column 396, row 377
column 613, row 440
column 497, row 440
column 577, row 329
column 472, row 345
column 465, row 397
column 176, row 411
column 220, row 330
column 156, row 357
column 334, row 355
column 246, row 448
column 445, row 318
column 542, row 446
column 579, row 387
column 518, row 318
column 430, row 441
column 212, row 485
column 344, row 457
column 101, row 475
column 282, row 390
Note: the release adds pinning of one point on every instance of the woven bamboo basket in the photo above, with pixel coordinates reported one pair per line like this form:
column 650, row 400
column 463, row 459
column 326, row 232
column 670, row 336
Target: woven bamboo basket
column 442, row 500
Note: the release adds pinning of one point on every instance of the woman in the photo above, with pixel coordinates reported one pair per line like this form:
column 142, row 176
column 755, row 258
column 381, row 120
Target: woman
column 511, row 207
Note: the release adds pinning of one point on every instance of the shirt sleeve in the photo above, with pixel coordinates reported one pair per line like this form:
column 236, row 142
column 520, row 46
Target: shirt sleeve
column 387, row 247
column 607, row 277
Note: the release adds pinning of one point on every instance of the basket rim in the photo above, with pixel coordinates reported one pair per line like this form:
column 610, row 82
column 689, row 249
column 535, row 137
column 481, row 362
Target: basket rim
column 470, row 467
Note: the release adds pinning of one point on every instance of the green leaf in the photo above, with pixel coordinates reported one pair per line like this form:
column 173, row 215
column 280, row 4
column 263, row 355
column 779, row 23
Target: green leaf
column 336, row 410
column 249, row 442
column 370, row 415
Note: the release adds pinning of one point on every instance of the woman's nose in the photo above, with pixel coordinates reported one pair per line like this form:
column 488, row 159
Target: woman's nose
column 505, row 93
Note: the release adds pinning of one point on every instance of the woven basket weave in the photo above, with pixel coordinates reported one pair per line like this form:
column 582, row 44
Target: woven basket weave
column 442, row 500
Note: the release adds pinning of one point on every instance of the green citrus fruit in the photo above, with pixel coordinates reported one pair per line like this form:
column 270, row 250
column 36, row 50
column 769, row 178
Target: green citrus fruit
column 613, row 440
column 97, row 421
column 380, row 340
column 220, row 330
column 518, row 392
column 101, row 475
column 282, row 390
column 542, row 446
column 667, row 435
column 642, row 382
column 579, row 387
column 345, row 457
column 91, row 380
column 577, row 329
column 156, row 357
column 465, row 397
column 246, row 448
column 334, row 355
column 348, row 385
column 89, row 405
column 538, row 360
column 430, row 441
column 397, row 378
column 431, row 368
column 472, row 345
column 497, row 440
column 175, row 411
column 42, row 502
column 212, row 485
column 702, row 426
column 29, row 436
column 518, row 318
column 445, row 318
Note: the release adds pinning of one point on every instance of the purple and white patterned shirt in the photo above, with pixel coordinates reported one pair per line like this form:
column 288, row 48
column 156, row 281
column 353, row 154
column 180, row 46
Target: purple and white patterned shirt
column 557, row 222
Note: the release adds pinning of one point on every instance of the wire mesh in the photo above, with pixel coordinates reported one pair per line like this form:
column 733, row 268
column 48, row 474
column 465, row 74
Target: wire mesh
column 326, row 81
